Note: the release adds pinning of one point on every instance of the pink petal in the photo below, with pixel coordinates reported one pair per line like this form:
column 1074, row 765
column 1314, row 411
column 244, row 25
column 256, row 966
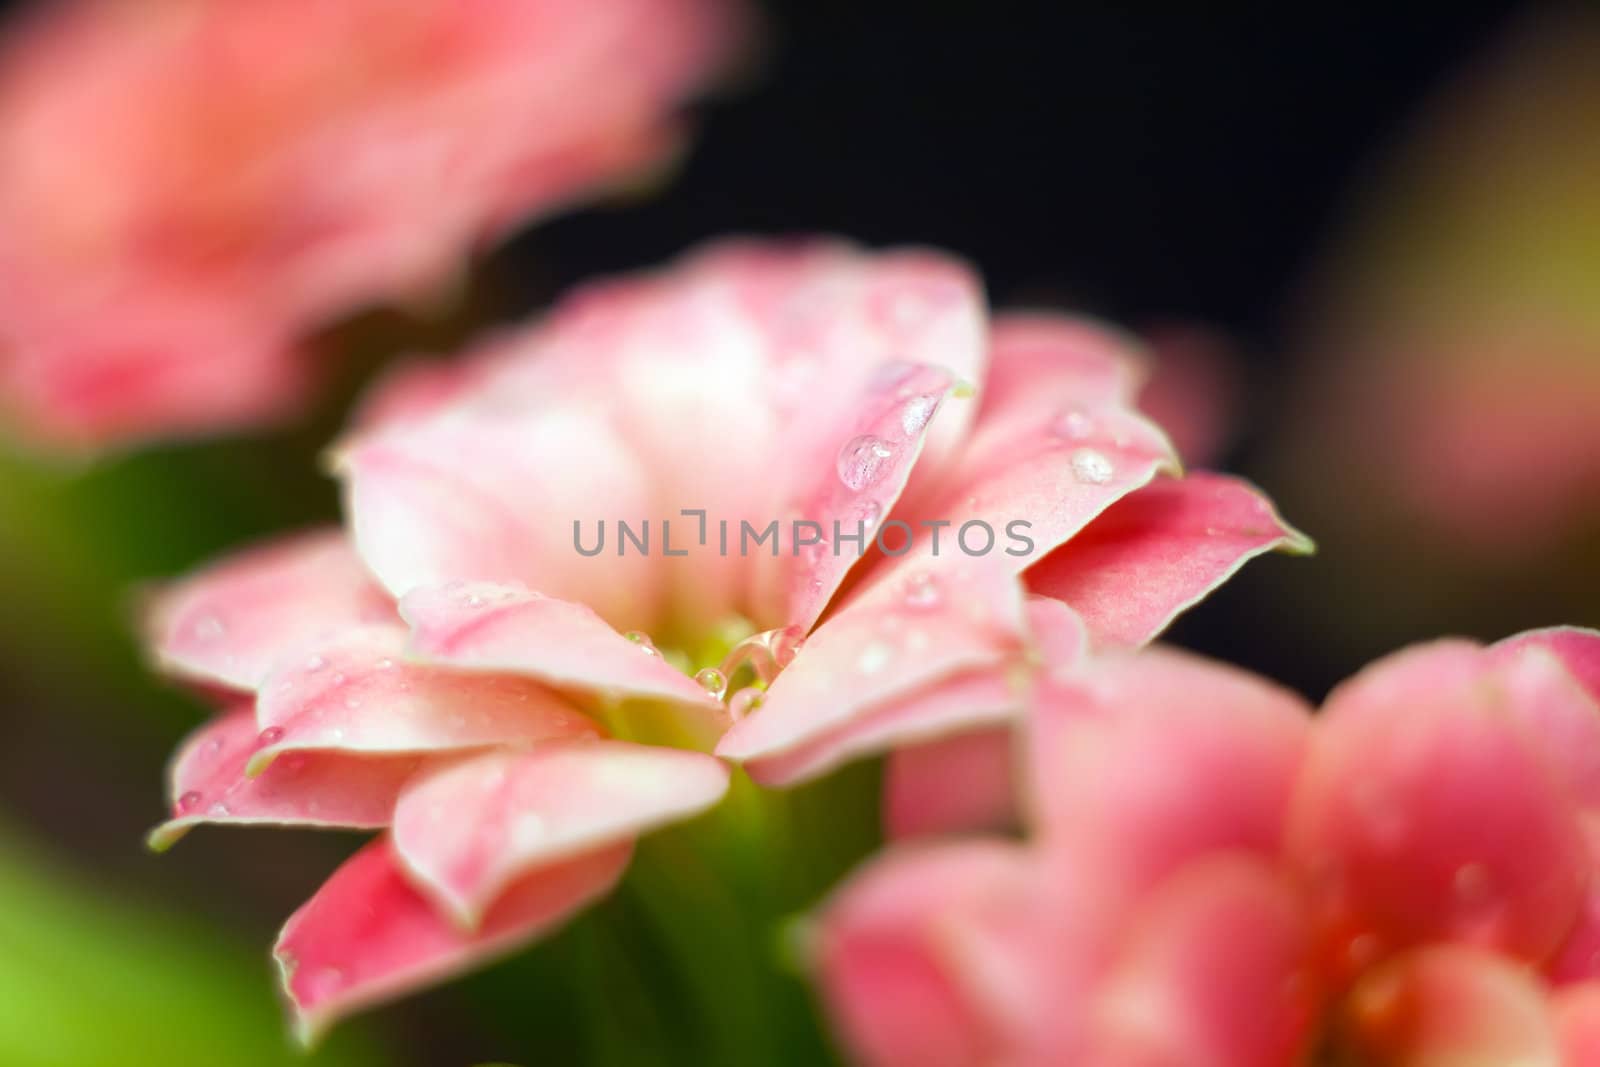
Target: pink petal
column 368, row 936
column 1426, row 812
column 1578, row 958
column 1047, row 359
column 1559, row 715
column 1142, row 762
column 1159, row 551
column 494, row 497
column 208, row 784
column 883, row 650
column 1194, row 390
column 356, row 695
column 1448, row 1005
column 1051, row 449
column 508, row 630
column 930, row 957
column 466, row 833
column 952, row 784
column 1214, row 973
column 231, row 621
column 1577, row 1022
column 1576, row 647
column 968, row 781
column 851, row 492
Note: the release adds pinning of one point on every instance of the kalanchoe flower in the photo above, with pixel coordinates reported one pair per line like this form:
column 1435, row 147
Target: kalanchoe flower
column 1216, row 877
column 187, row 188
column 460, row 669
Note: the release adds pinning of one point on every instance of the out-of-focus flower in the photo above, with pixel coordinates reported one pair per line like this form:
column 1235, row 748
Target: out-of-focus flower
column 188, row 188
column 465, row 668
column 1453, row 364
column 1216, row 877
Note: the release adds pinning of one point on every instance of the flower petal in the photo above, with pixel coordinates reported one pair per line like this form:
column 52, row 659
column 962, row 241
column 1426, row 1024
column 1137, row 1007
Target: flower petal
column 1578, row 649
column 1447, row 1005
column 886, row 649
column 960, row 783
column 1159, row 551
column 356, row 695
column 208, row 784
column 1214, row 973
column 466, row 833
column 231, row 621
column 503, row 497
column 368, row 936
column 927, row 957
column 1141, row 762
column 508, row 630
column 1577, row 1021
column 1427, row 812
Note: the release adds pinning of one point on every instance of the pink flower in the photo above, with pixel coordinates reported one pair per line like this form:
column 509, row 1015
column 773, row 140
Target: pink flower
column 460, row 669
column 1216, row 877
column 188, row 189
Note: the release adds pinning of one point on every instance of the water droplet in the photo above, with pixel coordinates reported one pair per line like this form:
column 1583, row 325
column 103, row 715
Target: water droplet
column 189, row 802
column 1091, row 466
column 315, row 664
column 745, row 701
column 861, row 461
column 712, row 681
column 336, row 734
column 474, row 600
column 209, row 628
column 219, row 809
column 916, row 413
column 642, row 639
column 874, row 658
column 1073, row 426
column 270, row 736
column 922, row 592
column 385, row 664
column 785, row 645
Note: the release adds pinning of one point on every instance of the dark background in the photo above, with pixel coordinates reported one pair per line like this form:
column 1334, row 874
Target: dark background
column 1148, row 163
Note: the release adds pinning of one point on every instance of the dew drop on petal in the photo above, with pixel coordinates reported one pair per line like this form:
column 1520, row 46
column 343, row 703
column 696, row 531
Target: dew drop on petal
column 189, row 802
column 922, row 592
column 874, row 658
column 916, row 413
column 1091, row 466
column 385, row 664
column 642, row 639
column 270, row 736
column 712, row 681
column 1073, row 426
column 745, row 701
column 219, row 809
column 315, row 663
column 861, row 461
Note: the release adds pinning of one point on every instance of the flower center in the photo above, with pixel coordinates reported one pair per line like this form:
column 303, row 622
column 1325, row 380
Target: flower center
column 734, row 662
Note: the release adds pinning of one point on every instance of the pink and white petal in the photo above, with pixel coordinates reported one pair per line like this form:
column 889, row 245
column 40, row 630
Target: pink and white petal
column 883, row 649
column 1140, row 762
column 504, row 497
column 1159, row 551
column 476, row 626
column 368, row 935
column 1215, row 972
column 357, row 695
column 1577, row 647
column 955, row 784
column 1578, row 958
column 1050, row 360
column 1559, row 716
column 931, row 957
column 231, row 621
column 954, row 705
column 852, row 491
column 470, row 830
column 1426, row 812
column 1446, row 1005
column 1577, row 1021
column 208, row 784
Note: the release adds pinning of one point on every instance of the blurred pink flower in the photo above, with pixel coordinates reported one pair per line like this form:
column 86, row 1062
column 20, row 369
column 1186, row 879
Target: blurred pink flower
column 1216, row 877
column 187, row 188
column 455, row 669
